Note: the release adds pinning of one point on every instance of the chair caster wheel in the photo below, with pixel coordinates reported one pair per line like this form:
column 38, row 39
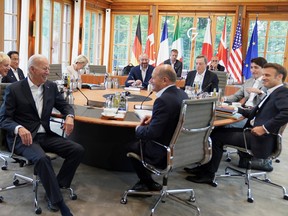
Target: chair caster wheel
column 214, row 184
column 38, row 211
column 250, row 200
column 123, row 201
column 4, row 167
column 16, row 182
column 1, row 199
column 73, row 197
column 228, row 160
column 190, row 200
column 285, row 197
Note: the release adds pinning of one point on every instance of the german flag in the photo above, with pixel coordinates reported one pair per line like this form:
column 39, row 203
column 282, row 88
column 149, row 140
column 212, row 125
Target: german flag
column 137, row 46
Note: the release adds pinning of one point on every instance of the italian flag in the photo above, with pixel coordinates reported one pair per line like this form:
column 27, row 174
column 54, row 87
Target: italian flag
column 178, row 42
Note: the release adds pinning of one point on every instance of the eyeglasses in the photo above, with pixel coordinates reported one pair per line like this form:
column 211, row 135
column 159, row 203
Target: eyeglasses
column 214, row 60
column 14, row 59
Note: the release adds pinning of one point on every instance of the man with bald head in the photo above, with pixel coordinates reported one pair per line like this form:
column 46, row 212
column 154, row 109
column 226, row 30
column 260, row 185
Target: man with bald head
column 25, row 113
column 141, row 74
column 159, row 127
column 4, row 65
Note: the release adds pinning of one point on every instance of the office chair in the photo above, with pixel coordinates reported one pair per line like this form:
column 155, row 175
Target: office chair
column 98, row 70
column 222, row 77
column 248, row 175
column 21, row 180
column 190, row 144
column 55, row 72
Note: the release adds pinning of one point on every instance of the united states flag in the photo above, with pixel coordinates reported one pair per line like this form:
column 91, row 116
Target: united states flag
column 235, row 59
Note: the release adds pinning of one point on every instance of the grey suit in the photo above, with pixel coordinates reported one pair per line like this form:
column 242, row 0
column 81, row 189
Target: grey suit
column 242, row 93
column 19, row 108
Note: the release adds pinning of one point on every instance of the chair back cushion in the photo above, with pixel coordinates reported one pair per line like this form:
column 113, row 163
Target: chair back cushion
column 191, row 143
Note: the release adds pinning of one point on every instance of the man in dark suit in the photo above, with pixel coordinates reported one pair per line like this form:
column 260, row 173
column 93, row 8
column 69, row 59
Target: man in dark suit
column 26, row 112
column 265, row 119
column 214, row 65
column 206, row 79
column 160, row 127
column 15, row 73
column 141, row 74
column 174, row 62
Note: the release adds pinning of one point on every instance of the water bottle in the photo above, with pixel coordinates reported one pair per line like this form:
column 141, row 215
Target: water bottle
column 123, row 102
column 70, row 98
column 79, row 83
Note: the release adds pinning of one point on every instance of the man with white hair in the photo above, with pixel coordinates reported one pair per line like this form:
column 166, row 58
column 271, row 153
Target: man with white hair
column 26, row 112
column 4, row 65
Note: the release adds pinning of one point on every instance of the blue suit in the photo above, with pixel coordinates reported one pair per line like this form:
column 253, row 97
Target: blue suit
column 165, row 115
column 10, row 78
column 135, row 74
column 272, row 114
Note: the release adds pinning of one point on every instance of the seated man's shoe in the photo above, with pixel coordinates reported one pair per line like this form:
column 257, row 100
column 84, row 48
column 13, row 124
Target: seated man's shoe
column 154, row 186
column 204, row 179
column 50, row 206
column 195, row 170
column 140, row 187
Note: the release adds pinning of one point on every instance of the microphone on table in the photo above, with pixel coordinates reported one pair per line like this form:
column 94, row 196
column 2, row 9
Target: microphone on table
column 141, row 105
column 90, row 102
column 58, row 75
column 203, row 90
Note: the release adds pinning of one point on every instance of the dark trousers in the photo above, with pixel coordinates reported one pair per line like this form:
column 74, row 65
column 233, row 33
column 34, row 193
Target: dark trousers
column 261, row 146
column 152, row 153
column 72, row 153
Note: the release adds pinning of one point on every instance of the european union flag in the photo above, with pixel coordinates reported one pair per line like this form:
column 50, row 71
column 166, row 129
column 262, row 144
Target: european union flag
column 251, row 53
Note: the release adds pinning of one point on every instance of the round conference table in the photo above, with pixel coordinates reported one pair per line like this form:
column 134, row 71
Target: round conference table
column 105, row 140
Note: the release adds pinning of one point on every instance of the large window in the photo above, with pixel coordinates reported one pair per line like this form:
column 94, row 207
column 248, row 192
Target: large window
column 124, row 35
column 11, row 20
column 56, row 44
column 93, row 36
column 272, row 39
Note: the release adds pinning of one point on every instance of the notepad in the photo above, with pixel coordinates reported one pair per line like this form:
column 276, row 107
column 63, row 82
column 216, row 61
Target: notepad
column 142, row 113
column 132, row 89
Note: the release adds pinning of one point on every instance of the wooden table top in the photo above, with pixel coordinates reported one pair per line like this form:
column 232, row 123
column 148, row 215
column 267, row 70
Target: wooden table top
column 93, row 115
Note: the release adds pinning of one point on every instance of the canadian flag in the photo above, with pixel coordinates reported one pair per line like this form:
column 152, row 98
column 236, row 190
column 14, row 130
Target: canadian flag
column 207, row 44
column 222, row 49
column 150, row 45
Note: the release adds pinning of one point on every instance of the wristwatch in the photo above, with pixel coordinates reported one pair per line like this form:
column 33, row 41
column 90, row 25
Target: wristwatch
column 70, row 115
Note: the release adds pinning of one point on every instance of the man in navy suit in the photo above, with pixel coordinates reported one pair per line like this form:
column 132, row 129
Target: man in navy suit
column 159, row 127
column 26, row 112
column 176, row 64
column 206, row 79
column 141, row 74
column 265, row 119
column 15, row 73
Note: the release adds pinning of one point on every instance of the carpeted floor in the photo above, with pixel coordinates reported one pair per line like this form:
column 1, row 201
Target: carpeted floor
column 99, row 192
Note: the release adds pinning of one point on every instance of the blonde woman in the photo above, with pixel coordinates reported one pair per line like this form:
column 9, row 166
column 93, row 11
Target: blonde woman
column 74, row 70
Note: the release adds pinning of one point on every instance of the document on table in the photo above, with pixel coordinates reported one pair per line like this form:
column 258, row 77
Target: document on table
column 142, row 113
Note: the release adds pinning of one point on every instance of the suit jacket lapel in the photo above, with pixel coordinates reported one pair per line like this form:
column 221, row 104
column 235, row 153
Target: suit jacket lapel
column 46, row 88
column 28, row 94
